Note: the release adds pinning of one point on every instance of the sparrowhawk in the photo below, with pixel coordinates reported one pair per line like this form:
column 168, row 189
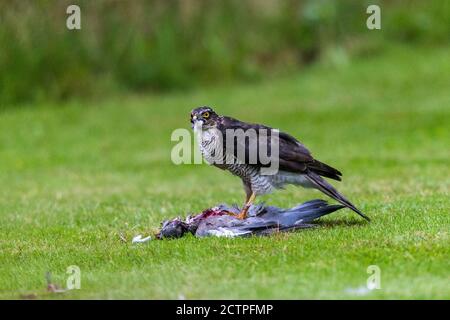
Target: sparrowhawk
column 296, row 165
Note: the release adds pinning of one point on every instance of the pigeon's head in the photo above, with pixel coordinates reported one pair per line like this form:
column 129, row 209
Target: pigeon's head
column 175, row 228
column 203, row 118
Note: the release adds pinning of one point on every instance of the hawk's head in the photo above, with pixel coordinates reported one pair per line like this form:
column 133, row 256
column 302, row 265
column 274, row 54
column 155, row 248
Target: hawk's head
column 204, row 117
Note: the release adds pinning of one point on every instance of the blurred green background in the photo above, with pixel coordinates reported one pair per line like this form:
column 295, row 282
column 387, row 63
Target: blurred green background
column 76, row 176
column 85, row 145
column 143, row 46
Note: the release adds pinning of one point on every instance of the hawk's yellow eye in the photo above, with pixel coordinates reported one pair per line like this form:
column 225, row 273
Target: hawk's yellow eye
column 205, row 115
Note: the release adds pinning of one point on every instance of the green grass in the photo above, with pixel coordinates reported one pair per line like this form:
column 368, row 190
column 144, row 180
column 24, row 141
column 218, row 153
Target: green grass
column 75, row 176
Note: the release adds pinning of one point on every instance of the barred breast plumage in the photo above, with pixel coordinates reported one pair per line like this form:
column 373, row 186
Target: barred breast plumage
column 210, row 141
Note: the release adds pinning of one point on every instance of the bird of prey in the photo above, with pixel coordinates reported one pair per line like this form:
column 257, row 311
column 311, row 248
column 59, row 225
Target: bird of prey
column 296, row 165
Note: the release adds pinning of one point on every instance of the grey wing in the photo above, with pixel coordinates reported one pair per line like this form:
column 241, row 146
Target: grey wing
column 293, row 156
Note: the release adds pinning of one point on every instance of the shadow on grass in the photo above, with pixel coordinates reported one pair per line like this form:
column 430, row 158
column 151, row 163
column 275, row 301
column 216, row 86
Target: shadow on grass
column 340, row 223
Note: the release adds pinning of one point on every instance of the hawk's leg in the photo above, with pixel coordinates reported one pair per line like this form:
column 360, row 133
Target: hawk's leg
column 243, row 214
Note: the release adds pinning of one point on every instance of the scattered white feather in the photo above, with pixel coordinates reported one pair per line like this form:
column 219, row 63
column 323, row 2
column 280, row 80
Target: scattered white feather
column 139, row 239
column 360, row 291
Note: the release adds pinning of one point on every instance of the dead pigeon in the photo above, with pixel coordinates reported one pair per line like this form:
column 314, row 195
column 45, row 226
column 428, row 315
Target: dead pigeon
column 220, row 221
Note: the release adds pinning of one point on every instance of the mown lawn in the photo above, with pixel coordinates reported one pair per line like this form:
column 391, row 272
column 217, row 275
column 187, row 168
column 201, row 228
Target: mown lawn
column 74, row 177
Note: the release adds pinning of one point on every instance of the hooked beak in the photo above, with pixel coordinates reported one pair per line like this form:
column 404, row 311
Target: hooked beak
column 195, row 120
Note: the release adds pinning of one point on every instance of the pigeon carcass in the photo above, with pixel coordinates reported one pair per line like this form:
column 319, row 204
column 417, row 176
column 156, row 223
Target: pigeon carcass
column 221, row 221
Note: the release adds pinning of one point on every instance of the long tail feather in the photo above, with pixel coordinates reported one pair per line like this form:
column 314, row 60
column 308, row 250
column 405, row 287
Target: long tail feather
column 330, row 191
